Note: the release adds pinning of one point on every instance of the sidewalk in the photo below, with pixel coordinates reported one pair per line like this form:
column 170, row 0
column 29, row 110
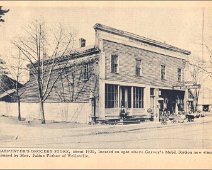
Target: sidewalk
column 107, row 129
column 97, row 128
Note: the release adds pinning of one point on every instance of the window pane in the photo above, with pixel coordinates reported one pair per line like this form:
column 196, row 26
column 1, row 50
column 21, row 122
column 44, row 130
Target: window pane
column 114, row 63
column 138, row 97
column 138, row 67
column 85, row 73
column 163, row 72
column 179, row 74
column 152, row 92
column 111, row 96
column 115, row 59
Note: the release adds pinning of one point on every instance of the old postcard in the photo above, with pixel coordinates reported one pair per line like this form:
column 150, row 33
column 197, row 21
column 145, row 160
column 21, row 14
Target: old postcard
column 103, row 85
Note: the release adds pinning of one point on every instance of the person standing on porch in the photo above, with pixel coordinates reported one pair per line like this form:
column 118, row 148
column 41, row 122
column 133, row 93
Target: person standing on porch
column 123, row 112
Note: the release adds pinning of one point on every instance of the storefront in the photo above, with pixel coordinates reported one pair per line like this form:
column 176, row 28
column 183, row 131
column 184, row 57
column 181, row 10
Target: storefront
column 130, row 98
column 137, row 100
column 173, row 101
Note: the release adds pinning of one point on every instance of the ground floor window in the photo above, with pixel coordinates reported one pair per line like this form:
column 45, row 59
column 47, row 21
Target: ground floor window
column 111, row 96
column 138, row 96
column 123, row 96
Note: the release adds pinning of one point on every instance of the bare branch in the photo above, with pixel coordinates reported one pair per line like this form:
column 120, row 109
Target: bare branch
column 199, row 67
column 54, row 63
column 61, row 72
column 31, row 49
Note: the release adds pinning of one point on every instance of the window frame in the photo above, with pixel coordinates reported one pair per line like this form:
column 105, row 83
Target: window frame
column 140, row 68
column 111, row 96
column 181, row 73
column 163, row 77
column 85, row 72
column 138, row 97
column 152, row 92
column 112, row 64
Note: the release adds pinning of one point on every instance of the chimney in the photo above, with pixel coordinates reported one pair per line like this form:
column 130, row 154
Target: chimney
column 82, row 42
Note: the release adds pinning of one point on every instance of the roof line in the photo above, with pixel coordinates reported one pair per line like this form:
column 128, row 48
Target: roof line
column 72, row 55
column 122, row 33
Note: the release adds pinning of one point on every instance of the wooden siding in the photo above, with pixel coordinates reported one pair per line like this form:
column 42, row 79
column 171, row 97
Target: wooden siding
column 151, row 63
column 70, row 86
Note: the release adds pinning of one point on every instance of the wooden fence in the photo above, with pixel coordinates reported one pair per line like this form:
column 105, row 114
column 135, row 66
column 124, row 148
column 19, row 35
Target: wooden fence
column 69, row 112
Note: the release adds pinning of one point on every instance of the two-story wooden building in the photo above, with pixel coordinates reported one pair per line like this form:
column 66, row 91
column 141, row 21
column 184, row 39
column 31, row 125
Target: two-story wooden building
column 123, row 70
column 138, row 73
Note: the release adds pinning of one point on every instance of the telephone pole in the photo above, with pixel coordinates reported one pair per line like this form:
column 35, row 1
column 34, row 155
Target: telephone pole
column 203, row 13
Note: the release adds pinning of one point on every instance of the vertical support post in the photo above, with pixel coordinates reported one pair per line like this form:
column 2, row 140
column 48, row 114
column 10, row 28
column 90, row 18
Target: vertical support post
column 101, row 113
column 102, row 76
column 118, row 100
column 132, row 101
column 185, row 101
column 94, row 109
column 146, row 98
column 157, row 115
column 93, row 105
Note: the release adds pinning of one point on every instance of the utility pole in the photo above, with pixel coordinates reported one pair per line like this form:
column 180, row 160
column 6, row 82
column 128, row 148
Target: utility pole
column 203, row 13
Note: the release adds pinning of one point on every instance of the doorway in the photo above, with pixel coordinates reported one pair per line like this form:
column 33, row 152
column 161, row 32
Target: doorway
column 125, row 96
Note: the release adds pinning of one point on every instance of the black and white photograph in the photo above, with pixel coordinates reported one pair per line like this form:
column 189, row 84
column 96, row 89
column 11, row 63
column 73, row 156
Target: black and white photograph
column 105, row 75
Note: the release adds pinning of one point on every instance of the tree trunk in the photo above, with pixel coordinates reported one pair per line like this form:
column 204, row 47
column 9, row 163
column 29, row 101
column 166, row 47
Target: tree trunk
column 19, row 108
column 43, row 121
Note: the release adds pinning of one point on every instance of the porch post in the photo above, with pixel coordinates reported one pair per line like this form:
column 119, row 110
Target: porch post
column 157, row 114
column 146, row 98
column 185, row 101
column 132, row 101
column 101, row 100
column 118, row 100
column 101, row 70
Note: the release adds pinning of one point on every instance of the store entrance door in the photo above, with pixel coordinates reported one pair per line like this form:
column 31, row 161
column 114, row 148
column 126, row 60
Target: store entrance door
column 125, row 96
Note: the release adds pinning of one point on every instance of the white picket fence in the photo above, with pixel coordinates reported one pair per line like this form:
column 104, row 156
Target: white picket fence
column 70, row 112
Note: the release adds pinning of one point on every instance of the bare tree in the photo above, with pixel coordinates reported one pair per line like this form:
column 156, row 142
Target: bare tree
column 200, row 72
column 17, row 70
column 195, row 71
column 13, row 75
column 45, row 52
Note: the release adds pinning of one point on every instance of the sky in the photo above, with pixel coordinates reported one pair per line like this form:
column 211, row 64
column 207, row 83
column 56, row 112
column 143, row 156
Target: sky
column 179, row 25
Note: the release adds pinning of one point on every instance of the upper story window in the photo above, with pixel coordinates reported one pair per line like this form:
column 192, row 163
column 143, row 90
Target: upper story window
column 114, row 64
column 179, row 74
column 85, row 71
column 138, row 69
column 162, row 72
